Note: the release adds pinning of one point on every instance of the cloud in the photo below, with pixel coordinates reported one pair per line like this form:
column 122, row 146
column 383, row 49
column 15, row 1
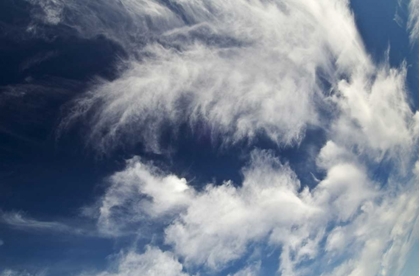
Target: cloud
column 131, row 19
column 413, row 20
column 247, row 69
column 48, row 11
column 139, row 193
column 251, row 270
column 19, row 221
column 152, row 262
column 9, row 272
column 375, row 116
column 218, row 225
column 231, row 67
column 221, row 222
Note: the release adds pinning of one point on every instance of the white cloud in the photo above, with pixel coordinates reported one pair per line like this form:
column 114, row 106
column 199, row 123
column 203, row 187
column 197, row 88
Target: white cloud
column 49, row 11
column 140, row 193
column 131, row 19
column 19, row 221
column 379, row 238
column 216, row 226
column 375, row 116
column 150, row 263
column 250, row 270
column 10, row 272
column 413, row 20
column 256, row 77
column 222, row 221
column 244, row 69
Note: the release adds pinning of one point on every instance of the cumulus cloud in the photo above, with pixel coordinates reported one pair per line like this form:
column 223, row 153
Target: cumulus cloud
column 217, row 225
column 140, row 193
column 222, row 221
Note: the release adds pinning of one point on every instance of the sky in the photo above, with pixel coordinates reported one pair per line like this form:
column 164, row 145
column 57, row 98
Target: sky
column 186, row 137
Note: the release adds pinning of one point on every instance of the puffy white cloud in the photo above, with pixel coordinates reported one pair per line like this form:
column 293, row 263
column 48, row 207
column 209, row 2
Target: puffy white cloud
column 140, row 193
column 217, row 225
column 221, row 222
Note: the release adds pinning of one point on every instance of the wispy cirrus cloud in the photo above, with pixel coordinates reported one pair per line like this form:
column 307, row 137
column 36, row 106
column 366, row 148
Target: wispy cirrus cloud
column 413, row 20
column 20, row 221
column 233, row 67
column 9, row 272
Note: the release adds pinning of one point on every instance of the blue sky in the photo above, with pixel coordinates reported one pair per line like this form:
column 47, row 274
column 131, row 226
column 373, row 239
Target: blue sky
column 142, row 137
